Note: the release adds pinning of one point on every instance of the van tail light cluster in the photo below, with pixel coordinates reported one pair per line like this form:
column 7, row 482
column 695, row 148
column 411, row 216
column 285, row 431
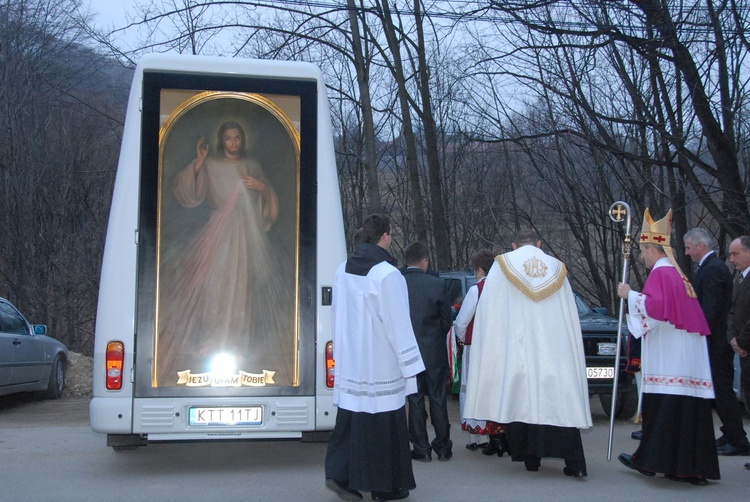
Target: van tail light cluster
column 330, row 364
column 114, row 363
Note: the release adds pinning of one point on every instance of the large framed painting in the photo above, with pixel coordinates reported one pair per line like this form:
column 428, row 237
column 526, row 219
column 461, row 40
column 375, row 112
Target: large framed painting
column 224, row 266
column 223, row 232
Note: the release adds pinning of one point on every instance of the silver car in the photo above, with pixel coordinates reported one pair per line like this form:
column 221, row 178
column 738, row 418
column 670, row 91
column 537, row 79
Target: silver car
column 30, row 361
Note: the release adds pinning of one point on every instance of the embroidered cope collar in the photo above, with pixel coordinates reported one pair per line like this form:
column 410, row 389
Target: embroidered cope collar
column 534, row 273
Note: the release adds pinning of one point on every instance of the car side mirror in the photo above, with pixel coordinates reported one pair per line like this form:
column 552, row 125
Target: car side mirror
column 40, row 329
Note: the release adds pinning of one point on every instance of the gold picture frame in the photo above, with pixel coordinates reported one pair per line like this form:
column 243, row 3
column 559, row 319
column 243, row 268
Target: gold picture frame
column 227, row 267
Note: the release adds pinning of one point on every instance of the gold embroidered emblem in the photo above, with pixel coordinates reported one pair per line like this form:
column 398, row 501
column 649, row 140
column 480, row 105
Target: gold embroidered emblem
column 521, row 279
column 535, row 268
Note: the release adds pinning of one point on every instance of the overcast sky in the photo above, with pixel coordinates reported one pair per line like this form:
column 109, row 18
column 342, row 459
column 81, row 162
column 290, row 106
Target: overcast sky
column 110, row 12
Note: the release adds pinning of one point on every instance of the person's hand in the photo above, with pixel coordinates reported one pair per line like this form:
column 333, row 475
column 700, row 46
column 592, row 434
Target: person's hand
column 201, row 152
column 737, row 349
column 201, row 148
column 623, row 290
column 253, row 183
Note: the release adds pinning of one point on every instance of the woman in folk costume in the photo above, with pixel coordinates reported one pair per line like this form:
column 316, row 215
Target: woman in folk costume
column 480, row 262
column 678, row 432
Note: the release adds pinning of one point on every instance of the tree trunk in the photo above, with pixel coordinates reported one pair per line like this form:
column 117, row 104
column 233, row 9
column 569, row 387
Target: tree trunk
column 412, row 164
column 369, row 160
column 440, row 223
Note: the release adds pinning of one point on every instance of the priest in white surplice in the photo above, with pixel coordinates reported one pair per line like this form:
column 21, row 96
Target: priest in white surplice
column 528, row 369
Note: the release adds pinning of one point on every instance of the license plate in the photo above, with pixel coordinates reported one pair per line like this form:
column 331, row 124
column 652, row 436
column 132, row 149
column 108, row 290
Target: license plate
column 594, row 373
column 247, row 415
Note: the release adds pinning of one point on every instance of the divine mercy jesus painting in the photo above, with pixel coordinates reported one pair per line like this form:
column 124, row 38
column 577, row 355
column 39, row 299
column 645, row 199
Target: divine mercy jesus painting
column 227, row 242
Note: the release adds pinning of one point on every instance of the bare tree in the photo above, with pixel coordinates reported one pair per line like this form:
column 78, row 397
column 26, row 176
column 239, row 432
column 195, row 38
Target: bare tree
column 577, row 103
column 694, row 50
column 57, row 163
column 397, row 69
column 362, row 66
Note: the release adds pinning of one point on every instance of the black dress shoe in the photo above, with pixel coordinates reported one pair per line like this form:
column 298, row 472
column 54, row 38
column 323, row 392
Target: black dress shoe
column 731, row 450
column 637, row 435
column 747, row 465
column 495, row 446
column 421, row 458
column 343, row 491
column 397, row 494
column 693, row 480
column 472, row 446
column 532, row 463
column 627, row 461
column 576, row 474
column 492, row 450
column 721, row 441
column 446, row 457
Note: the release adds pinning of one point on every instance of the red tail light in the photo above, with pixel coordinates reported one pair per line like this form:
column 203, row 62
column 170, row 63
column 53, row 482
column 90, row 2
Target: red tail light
column 330, row 363
column 114, row 363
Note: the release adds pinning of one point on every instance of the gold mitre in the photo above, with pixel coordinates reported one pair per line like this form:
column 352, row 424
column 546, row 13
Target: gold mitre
column 659, row 233
column 656, row 232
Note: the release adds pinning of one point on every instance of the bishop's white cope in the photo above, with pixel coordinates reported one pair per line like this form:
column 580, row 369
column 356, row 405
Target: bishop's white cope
column 528, row 362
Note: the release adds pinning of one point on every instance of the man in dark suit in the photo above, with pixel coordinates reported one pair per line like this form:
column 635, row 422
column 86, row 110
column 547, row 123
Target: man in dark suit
column 739, row 315
column 712, row 282
column 431, row 319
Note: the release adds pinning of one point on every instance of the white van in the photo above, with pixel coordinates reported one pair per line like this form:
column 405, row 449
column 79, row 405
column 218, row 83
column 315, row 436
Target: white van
column 224, row 235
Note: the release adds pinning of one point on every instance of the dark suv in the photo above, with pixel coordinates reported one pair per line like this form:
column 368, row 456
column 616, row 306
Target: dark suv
column 599, row 345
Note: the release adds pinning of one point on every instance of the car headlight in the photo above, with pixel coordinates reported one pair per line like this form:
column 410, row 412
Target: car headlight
column 606, row 349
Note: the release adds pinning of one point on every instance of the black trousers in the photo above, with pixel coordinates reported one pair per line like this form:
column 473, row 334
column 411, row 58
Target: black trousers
column 721, row 357
column 431, row 383
column 745, row 380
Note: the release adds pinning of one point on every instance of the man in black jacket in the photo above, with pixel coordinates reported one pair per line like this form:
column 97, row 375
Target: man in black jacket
column 712, row 282
column 739, row 315
column 431, row 319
